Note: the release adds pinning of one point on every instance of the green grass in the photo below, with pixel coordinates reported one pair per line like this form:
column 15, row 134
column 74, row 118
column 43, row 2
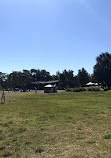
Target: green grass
column 59, row 125
column 107, row 136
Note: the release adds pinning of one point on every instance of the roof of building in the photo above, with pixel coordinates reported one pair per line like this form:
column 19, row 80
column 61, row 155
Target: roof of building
column 45, row 82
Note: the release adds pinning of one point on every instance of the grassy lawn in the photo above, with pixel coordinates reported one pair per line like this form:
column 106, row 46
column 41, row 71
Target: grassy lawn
column 61, row 125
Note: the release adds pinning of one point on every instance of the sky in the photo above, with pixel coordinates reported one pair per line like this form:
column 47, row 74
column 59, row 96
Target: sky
column 53, row 34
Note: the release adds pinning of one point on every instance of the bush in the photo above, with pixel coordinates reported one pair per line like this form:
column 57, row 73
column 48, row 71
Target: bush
column 93, row 89
column 79, row 89
column 69, row 90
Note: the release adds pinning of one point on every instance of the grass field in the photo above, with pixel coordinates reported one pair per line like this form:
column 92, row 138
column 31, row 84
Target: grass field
column 61, row 125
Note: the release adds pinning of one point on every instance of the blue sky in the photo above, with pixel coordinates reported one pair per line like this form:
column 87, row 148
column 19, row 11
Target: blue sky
column 53, row 34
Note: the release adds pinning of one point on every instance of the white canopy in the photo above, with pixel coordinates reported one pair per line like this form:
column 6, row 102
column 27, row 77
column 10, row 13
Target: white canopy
column 49, row 86
column 91, row 84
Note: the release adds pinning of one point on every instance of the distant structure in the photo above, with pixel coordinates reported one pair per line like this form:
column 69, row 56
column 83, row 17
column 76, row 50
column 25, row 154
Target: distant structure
column 49, row 86
column 90, row 84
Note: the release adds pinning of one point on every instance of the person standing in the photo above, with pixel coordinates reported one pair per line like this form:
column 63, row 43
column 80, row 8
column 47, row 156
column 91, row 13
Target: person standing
column 35, row 89
column 3, row 97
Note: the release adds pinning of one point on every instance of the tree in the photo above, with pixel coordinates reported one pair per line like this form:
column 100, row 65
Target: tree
column 34, row 73
column 102, row 69
column 3, row 80
column 92, row 78
column 66, row 79
column 83, row 77
column 45, row 76
column 19, row 80
column 76, row 81
column 40, row 75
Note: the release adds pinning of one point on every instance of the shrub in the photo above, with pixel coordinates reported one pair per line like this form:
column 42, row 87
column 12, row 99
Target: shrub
column 79, row 89
column 69, row 90
column 93, row 89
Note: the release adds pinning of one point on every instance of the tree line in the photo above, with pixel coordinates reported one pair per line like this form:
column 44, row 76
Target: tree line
column 23, row 79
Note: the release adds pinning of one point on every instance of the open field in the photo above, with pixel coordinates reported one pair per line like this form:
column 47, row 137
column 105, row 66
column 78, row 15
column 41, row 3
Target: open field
column 61, row 125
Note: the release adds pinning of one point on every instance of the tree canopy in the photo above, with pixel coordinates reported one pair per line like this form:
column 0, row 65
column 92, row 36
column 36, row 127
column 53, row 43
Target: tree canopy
column 102, row 69
column 83, row 77
column 67, row 79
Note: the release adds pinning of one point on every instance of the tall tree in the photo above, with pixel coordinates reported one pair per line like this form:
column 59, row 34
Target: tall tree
column 66, row 79
column 19, row 80
column 40, row 75
column 76, row 81
column 102, row 69
column 83, row 77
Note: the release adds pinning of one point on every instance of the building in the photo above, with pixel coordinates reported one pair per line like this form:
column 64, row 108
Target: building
column 50, row 88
